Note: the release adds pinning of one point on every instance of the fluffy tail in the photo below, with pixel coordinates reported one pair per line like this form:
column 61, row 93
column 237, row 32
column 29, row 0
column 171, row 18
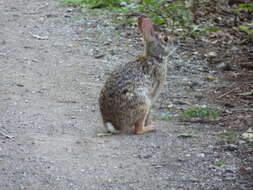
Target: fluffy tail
column 109, row 127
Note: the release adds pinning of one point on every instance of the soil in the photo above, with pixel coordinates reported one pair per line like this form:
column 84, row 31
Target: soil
column 53, row 62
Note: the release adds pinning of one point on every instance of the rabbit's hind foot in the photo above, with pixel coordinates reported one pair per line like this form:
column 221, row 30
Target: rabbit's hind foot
column 139, row 127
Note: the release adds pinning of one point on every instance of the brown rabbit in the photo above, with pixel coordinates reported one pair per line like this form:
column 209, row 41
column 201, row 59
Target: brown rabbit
column 132, row 88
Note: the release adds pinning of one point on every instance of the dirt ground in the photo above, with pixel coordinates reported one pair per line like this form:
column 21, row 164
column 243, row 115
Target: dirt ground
column 53, row 63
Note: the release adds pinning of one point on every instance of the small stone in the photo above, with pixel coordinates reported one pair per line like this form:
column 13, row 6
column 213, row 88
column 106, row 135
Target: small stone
column 224, row 67
column 242, row 142
column 100, row 55
column 112, row 52
column 201, row 155
column 210, row 78
column 107, row 43
column 123, row 4
column 234, row 48
column 229, row 168
column 211, row 54
column 69, row 10
column 230, row 147
column 247, row 169
column 248, row 135
column 20, row 85
column 229, row 176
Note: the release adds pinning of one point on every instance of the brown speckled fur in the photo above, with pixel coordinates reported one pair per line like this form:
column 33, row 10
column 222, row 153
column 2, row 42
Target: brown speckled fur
column 132, row 88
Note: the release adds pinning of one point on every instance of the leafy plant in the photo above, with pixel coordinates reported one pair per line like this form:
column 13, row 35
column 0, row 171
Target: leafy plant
column 248, row 31
column 73, row 2
column 220, row 163
column 202, row 113
column 250, row 143
column 247, row 7
column 229, row 136
column 161, row 10
column 94, row 3
column 195, row 30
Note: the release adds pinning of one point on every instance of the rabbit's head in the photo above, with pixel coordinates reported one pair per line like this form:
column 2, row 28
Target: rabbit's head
column 156, row 45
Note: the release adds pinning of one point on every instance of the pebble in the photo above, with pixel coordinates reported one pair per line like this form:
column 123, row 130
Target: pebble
column 224, row 67
column 229, row 168
column 201, row 155
column 242, row 142
column 98, row 56
column 229, row 176
column 230, row 147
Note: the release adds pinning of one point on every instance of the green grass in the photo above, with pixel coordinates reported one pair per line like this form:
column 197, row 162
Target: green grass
column 93, row 4
column 200, row 113
column 165, row 117
column 73, row 2
column 187, row 135
column 173, row 14
column 129, row 21
column 228, row 136
column 250, row 143
column 220, row 163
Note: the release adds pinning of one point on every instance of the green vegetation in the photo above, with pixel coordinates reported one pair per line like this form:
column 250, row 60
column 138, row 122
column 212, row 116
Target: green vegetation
column 200, row 113
column 187, row 135
column 161, row 10
column 195, row 30
column 250, row 143
column 166, row 117
column 228, row 136
column 175, row 14
column 73, row 2
column 246, row 7
column 248, row 31
column 219, row 164
column 93, row 3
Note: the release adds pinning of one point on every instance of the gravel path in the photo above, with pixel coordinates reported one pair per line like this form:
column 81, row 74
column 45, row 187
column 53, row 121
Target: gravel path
column 53, row 62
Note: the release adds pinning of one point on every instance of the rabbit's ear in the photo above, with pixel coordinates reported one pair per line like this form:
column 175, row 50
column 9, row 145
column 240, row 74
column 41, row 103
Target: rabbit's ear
column 139, row 22
column 148, row 29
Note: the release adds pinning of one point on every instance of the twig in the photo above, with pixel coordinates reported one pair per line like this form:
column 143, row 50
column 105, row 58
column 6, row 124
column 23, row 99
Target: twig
column 212, row 122
column 6, row 135
column 249, row 82
column 228, row 92
column 39, row 37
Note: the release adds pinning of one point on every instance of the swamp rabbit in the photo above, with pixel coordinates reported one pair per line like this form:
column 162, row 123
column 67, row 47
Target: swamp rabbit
column 132, row 88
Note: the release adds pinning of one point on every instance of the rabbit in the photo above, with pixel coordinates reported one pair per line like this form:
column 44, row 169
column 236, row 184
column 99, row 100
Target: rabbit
column 132, row 88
